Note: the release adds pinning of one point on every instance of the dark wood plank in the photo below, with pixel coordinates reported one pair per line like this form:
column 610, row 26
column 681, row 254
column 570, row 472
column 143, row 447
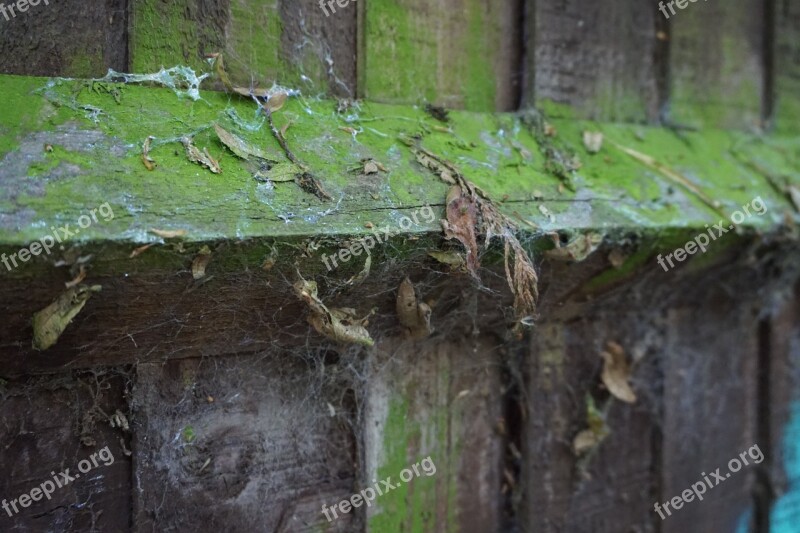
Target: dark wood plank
column 717, row 64
column 64, row 38
column 242, row 444
column 598, row 57
column 710, row 363
column 53, row 423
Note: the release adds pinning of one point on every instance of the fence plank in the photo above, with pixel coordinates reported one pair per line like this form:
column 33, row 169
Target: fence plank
column 443, row 401
column 263, row 41
column 457, row 53
column 787, row 65
column 64, row 38
column 610, row 488
column 717, row 64
column 710, row 401
column 599, row 58
column 53, row 423
column 242, row 443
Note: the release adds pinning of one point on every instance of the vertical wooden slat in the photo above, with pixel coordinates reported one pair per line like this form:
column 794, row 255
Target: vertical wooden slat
column 598, row 57
column 456, row 53
column 782, row 488
column 239, row 444
column 441, row 401
column 64, row 38
column 50, row 424
column 710, row 397
column 612, row 487
column 787, row 65
column 263, row 41
column 717, row 64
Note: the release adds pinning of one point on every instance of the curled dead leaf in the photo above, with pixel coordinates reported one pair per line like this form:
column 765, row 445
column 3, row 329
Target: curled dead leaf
column 239, row 146
column 578, row 249
column 616, row 373
column 415, row 317
column 200, row 262
column 78, row 279
column 148, row 161
column 275, row 102
column 140, row 250
column 462, row 219
column 339, row 324
column 593, row 141
column 169, row 234
column 50, row 322
column 201, row 158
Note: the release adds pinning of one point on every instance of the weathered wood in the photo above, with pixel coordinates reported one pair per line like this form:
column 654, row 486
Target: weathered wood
column 598, row 58
column 441, row 400
column 64, row 38
column 786, row 74
column 241, row 444
column 51, row 424
column 717, row 65
column 462, row 54
column 709, row 418
column 263, row 41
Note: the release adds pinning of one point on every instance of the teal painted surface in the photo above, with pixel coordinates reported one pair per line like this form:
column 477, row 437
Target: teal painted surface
column 785, row 515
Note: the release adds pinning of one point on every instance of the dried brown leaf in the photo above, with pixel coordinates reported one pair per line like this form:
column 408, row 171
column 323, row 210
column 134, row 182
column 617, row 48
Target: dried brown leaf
column 414, row 317
column 140, row 250
column 462, row 219
column 275, row 102
column 339, row 324
column 148, row 161
column 169, row 234
column 593, row 141
column 200, row 262
column 244, row 91
column 239, row 146
column 78, row 279
column 202, row 158
column 616, row 373
column 50, row 322
column 577, row 249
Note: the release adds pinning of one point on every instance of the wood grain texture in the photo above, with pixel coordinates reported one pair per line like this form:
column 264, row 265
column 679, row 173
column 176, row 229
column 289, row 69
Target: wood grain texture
column 44, row 421
column 717, row 64
column 787, row 65
column 263, row 41
column 239, row 444
column 443, row 401
column 710, row 409
column 69, row 38
column 461, row 54
column 597, row 57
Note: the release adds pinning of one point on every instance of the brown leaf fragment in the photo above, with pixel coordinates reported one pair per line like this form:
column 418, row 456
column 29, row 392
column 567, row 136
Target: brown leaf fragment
column 244, row 91
column 239, row 146
column 78, row 279
column 200, row 262
column 794, row 195
column 202, row 158
column 140, row 250
column 414, row 317
column 617, row 258
column 50, row 322
column 616, row 373
column 310, row 184
column 453, row 259
column 577, row 249
column 339, row 324
column 169, row 234
column 462, row 219
column 275, row 102
column 550, row 130
column 593, row 141
column 370, row 168
column 148, row 161
column 597, row 430
column 438, row 112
